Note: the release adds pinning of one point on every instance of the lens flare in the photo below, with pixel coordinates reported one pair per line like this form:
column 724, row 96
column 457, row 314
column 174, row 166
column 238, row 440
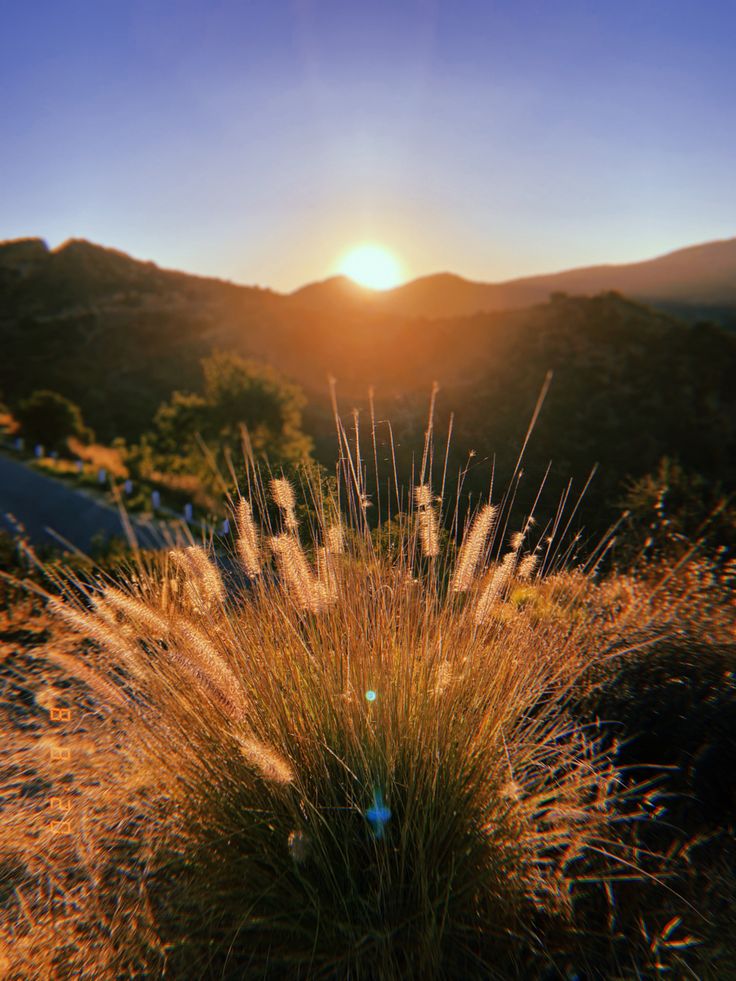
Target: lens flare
column 378, row 815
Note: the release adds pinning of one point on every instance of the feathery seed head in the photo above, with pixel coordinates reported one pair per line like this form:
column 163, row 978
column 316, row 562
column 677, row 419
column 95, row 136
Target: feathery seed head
column 335, row 539
column 284, row 497
column 423, row 496
column 472, row 549
column 517, row 540
column 96, row 680
column 327, row 575
column 296, row 573
column 113, row 638
column 138, row 612
column 283, row 493
column 443, row 677
column 429, row 532
column 246, row 543
column 528, row 566
column 497, row 582
column 267, row 761
column 203, row 581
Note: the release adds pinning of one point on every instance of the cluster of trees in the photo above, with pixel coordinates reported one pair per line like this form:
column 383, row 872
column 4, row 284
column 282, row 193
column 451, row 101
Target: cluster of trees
column 631, row 387
column 240, row 399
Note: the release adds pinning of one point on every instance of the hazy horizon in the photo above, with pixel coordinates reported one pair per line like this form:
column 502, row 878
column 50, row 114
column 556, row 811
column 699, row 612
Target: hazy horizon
column 337, row 274
column 260, row 142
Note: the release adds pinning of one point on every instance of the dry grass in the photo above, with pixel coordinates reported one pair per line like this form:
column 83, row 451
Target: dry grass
column 336, row 764
column 100, row 457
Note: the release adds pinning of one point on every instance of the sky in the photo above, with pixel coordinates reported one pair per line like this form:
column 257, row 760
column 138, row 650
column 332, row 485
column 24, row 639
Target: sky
column 258, row 140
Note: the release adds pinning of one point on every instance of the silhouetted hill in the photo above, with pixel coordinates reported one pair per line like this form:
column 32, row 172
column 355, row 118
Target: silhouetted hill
column 113, row 333
column 335, row 290
column 632, row 384
column 440, row 295
column 695, row 282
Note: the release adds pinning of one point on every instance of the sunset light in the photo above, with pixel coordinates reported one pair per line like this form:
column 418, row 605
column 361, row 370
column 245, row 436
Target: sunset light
column 372, row 266
column 368, row 490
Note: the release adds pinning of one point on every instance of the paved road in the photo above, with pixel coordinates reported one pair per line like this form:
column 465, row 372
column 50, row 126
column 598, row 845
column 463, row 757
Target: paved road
column 39, row 502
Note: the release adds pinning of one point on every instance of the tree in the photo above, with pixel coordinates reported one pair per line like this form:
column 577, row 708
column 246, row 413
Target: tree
column 237, row 393
column 177, row 422
column 50, row 418
column 241, row 392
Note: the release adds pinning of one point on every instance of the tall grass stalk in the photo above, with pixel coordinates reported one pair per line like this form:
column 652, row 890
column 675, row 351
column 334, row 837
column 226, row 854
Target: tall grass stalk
column 347, row 767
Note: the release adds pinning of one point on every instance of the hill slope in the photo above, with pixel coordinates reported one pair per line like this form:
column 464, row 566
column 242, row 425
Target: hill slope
column 696, row 282
column 631, row 384
column 113, row 333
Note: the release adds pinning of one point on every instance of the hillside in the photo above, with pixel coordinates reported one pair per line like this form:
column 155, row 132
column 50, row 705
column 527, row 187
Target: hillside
column 631, row 384
column 113, row 333
column 696, row 282
column 82, row 314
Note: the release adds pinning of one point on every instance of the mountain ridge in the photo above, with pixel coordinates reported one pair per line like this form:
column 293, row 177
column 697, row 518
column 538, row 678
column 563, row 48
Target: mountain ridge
column 701, row 277
column 118, row 336
column 697, row 276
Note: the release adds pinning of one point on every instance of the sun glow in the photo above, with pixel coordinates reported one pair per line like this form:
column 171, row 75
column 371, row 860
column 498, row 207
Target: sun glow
column 372, row 266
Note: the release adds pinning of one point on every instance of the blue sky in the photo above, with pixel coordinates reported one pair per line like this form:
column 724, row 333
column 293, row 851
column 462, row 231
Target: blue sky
column 259, row 140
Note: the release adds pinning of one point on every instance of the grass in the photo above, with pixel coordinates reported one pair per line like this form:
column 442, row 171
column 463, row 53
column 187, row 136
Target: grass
column 339, row 760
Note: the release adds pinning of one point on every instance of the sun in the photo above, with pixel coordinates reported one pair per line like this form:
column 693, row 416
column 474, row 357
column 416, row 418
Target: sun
column 372, row 266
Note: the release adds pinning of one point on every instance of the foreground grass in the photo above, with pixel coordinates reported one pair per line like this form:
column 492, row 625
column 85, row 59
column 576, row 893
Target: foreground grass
column 346, row 764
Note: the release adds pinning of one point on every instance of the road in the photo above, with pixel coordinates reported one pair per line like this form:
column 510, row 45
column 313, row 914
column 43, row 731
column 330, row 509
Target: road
column 39, row 502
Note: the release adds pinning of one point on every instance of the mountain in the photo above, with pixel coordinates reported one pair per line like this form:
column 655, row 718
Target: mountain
column 114, row 333
column 631, row 383
column 696, row 282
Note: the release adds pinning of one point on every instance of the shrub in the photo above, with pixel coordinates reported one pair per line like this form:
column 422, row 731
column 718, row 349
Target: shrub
column 109, row 458
column 669, row 509
column 50, row 419
column 349, row 765
column 237, row 393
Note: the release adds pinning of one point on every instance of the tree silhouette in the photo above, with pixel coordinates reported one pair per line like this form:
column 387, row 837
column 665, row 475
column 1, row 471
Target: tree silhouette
column 49, row 418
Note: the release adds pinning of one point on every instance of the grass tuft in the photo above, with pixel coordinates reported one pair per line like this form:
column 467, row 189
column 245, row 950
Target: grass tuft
column 352, row 763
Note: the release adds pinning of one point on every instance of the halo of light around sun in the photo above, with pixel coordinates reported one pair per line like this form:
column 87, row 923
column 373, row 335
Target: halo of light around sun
column 372, row 266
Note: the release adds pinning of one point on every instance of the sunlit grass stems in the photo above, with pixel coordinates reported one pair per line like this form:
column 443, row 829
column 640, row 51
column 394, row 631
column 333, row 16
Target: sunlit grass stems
column 349, row 771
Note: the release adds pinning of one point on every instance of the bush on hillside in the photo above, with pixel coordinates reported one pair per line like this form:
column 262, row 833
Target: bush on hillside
column 358, row 764
column 50, row 419
column 238, row 396
column 353, row 755
column 671, row 508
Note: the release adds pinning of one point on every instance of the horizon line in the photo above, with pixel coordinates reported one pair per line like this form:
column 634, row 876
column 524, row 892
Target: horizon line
column 72, row 240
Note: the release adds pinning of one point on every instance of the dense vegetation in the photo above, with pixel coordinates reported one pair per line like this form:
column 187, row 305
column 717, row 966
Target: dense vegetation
column 48, row 418
column 125, row 342
column 382, row 736
column 364, row 758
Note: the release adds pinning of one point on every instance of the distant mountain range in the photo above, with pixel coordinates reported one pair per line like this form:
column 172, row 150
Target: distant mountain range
column 82, row 312
column 632, row 383
column 695, row 282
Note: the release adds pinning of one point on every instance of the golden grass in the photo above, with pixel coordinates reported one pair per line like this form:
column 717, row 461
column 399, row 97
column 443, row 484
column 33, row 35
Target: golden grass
column 342, row 764
column 99, row 456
